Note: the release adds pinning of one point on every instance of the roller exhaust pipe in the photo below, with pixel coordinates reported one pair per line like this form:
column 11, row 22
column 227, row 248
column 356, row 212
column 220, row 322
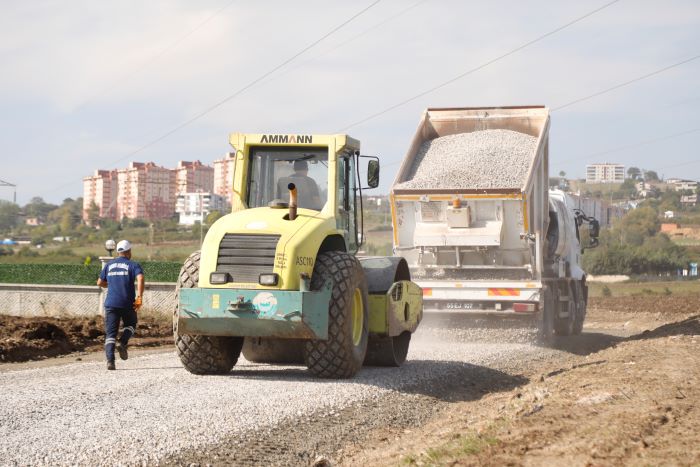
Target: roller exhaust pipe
column 292, row 201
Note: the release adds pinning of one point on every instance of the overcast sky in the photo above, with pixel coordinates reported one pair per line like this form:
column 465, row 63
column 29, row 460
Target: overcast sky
column 83, row 83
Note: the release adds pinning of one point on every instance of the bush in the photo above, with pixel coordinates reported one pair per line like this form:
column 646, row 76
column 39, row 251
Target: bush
column 75, row 274
column 606, row 291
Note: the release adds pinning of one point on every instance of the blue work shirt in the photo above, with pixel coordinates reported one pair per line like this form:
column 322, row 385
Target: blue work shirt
column 120, row 274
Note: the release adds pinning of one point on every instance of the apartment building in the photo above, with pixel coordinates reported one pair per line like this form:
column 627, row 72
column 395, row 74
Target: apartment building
column 146, row 191
column 223, row 177
column 194, row 176
column 605, row 173
column 194, row 207
column 685, row 185
column 101, row 189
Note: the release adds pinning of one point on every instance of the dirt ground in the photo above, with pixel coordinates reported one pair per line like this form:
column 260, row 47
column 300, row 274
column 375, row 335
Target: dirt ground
column 626, row 392
column 23, row 339
column 614, row 401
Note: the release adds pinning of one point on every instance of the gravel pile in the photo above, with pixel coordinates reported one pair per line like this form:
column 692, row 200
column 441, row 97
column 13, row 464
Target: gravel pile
column 477, row 160
column 151, row 408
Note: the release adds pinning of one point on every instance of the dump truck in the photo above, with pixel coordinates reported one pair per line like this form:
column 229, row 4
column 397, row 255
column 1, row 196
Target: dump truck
column 483, row 235
column 278, row 279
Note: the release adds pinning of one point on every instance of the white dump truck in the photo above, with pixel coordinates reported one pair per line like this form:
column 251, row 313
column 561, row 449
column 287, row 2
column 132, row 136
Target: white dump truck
column 473, row 215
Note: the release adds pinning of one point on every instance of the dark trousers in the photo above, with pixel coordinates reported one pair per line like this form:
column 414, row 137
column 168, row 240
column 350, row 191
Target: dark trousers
column 112, row 318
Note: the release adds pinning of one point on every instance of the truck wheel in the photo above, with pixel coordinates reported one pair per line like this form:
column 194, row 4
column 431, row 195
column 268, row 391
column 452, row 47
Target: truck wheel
column 546, row 323
column 388, row 351
column 202, row 354
column 342, row 354
column 565, row 326
column 581, row 306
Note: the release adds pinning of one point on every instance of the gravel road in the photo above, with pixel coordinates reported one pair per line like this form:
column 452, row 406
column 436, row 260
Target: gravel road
column 151, row 409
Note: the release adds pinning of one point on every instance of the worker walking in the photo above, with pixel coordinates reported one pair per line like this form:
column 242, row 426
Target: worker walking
column 122, row 302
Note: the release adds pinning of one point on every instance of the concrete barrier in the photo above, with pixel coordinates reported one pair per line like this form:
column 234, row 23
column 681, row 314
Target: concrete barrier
column 34, row 300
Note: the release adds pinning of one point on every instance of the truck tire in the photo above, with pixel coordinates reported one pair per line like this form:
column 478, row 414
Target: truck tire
column 202, row 354
column 342, row 354
column 565, row 326
column 546, row 333
column 388, row 351
column 581, row 305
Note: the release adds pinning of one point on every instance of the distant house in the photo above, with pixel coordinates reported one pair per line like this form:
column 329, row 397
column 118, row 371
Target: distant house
column 668, row 214
column 689, row 200
column 683, row 185
column 33, row 221
column 669, row 227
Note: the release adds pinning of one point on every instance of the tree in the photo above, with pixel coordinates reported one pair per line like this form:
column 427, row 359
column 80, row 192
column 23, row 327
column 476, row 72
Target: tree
column 37, row 207
column 651, row 176
column 562, row 174
column 9, row 215
column 213, row 217
column 93, row 214
column 634, row 173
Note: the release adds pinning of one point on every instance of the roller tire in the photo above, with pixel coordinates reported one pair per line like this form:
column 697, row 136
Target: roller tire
column 388, row 351
column 202, row 355
column 266, row 350
column 338, row 357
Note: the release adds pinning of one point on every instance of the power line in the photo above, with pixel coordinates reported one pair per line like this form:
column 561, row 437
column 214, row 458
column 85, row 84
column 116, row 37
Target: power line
column 238, row 92
column 626, row 83
column 480, row 67
column 631, row 146
column 351, row 39
column 124, row 77
column 244, row 88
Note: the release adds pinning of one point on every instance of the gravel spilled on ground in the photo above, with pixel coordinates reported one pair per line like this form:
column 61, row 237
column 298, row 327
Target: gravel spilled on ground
column 479, row 160
column 152, row 408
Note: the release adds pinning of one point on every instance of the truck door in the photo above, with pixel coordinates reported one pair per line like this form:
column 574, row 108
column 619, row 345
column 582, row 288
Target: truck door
column 347, row 201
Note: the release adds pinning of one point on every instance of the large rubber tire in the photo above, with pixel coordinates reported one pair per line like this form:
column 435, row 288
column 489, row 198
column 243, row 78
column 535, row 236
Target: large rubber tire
column 581, row 307
column 202, row 355
column 341, row 355
column 546, row 333
column 565, row 326
column 267, row 350
column 388, row 351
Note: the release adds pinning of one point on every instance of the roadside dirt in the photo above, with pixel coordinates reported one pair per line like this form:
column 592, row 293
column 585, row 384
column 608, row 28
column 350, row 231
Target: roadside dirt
column 23, row 339
column 630, row 401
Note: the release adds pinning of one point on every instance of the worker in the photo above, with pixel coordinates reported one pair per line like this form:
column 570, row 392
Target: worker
column 307, row 189
column 122, row 302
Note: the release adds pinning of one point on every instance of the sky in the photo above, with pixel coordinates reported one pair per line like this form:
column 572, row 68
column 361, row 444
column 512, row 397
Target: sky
column 90, row 85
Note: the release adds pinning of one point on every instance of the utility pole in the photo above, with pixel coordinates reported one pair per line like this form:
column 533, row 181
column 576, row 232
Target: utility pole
column 14, row 192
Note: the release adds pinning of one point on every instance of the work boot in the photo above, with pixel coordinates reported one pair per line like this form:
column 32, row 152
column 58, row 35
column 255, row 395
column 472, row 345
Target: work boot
column 110, row 366
column 123, row 354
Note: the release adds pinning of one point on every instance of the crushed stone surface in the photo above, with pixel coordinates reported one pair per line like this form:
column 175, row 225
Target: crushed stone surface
column 151, row 408
column 487, row 159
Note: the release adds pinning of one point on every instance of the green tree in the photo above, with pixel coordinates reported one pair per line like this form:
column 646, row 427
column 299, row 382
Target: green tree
column 651, row 176
column 634, row 173
column 37, row 207
column 9, row 215
column 93, row 214
column 213, row 217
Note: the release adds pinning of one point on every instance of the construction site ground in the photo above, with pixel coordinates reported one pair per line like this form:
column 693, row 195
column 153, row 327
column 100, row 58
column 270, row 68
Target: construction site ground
column 625, row 392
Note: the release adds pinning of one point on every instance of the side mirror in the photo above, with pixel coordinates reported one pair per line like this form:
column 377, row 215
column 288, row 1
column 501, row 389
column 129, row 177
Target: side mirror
column 594, row 229
column 373, row 173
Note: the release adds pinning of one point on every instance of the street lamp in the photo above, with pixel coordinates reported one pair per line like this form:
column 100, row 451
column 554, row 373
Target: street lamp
column 110, row 246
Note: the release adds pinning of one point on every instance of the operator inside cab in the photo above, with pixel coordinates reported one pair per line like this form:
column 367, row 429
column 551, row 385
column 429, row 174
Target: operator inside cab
column 307, row 189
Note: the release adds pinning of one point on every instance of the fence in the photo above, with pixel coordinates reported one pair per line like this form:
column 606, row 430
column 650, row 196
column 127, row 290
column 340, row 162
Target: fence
column 36, row 300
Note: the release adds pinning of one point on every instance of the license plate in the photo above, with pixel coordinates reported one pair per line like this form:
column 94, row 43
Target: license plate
column 459, row 306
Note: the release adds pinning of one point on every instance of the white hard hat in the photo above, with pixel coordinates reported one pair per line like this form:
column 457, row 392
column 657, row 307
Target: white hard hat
column 124, row 245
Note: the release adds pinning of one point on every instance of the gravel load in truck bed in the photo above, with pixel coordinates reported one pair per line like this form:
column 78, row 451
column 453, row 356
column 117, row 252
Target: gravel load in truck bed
column 478, row 160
